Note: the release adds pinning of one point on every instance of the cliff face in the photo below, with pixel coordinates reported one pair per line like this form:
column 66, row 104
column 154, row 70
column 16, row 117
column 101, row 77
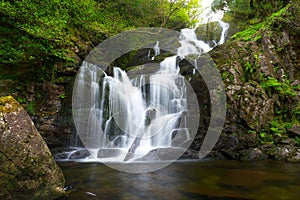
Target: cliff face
column 260, row 67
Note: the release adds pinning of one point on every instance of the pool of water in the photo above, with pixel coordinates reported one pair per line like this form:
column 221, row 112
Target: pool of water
column 185, row 180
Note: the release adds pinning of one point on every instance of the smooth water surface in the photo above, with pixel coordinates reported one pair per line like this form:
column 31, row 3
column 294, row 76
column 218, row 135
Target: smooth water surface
column 186, row 180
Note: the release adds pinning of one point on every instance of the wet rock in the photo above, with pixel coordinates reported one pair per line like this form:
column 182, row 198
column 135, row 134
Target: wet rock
column 253, row 154
column 61, row 156
column 295, row 158
column 80, row 154
column 230, row 154
column 227, row 142
column 189, row 154
column 233, row 154
column 180, row 138
column 107, row 153
column 162, row 154
column 209, row 32
column 285, row 152
column 27, row 169
column 151, row 156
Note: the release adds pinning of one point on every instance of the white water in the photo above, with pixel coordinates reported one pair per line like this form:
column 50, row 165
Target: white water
column 136, row 119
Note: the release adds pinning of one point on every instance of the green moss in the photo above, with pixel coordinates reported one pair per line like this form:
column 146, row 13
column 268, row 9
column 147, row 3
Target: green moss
column 253, row 32
column 248, row 67
column 279, row 13
column 250, row 34
column 284, row 88
column 227, row 76
column 31, row 108
column 9, row 104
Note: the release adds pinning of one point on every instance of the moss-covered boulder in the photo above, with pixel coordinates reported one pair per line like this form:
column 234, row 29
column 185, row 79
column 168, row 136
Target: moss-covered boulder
column 27, row 169
column 208, row 32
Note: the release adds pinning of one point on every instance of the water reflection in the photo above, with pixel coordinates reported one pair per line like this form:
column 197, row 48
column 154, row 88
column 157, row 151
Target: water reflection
column 186, row 180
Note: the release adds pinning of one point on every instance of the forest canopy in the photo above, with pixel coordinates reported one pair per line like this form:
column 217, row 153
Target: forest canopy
column 39, row 35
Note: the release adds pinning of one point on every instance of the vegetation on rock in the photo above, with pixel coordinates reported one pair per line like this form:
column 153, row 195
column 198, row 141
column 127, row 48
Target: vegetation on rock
column 260, row 67
column 27, row 168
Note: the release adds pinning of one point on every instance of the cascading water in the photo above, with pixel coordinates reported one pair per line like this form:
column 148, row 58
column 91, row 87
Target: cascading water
column 129, row 117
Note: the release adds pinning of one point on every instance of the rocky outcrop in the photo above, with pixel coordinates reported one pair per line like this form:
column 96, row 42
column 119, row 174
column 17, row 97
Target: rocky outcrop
column 260, row 68
column 27, row 169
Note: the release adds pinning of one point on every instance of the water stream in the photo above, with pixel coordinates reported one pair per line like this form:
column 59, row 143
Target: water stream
column 206, row 180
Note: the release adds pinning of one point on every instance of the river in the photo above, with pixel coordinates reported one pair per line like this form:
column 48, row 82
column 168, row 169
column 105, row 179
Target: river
column 185, row 180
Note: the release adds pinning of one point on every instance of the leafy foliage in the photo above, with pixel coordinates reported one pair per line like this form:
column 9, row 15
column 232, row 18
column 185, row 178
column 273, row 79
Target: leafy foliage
column 283, row 88
column 39, row 36
column 247, row 9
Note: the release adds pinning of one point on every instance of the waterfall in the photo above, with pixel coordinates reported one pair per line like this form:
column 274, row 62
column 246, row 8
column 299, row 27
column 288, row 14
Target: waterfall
column 156, row 50
column 125, row 118
column 225, row 27
column 146, row 119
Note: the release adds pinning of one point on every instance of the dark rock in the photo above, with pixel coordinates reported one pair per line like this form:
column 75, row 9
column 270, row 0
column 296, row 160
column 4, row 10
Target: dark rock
column 162, row 154
column 295, row 83
column 180, row 137
column 107, row 153
column 289, row 141
column 230, row 154
column 279, row 152
column 80, row 154
column 296, row 158
column 62, row 156
column 253, row 154
column 151, row 156
column 189, row 154
column 227, row 142
column 27, row 169
column 285, row 152
column 295, row 130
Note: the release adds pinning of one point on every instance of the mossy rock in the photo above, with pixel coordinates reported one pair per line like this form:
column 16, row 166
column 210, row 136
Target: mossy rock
column 9, row 104
column 27, row 169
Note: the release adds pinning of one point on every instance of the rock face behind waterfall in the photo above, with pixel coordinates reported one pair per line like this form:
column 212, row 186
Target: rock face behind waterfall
column 27, row 170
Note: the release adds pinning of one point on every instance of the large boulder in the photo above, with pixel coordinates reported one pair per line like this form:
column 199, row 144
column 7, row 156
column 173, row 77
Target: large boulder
column 27, row 169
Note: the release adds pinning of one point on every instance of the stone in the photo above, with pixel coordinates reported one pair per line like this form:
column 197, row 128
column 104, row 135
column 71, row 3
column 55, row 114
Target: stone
column 253, row 154
column 295, row 130
column 27, row 168
column 295, row 83
column 107, row 153
column 80, row 154
column 285, row 152
column 208, row 32
column 163, row 154
column 230, row 154
column 295, row 159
